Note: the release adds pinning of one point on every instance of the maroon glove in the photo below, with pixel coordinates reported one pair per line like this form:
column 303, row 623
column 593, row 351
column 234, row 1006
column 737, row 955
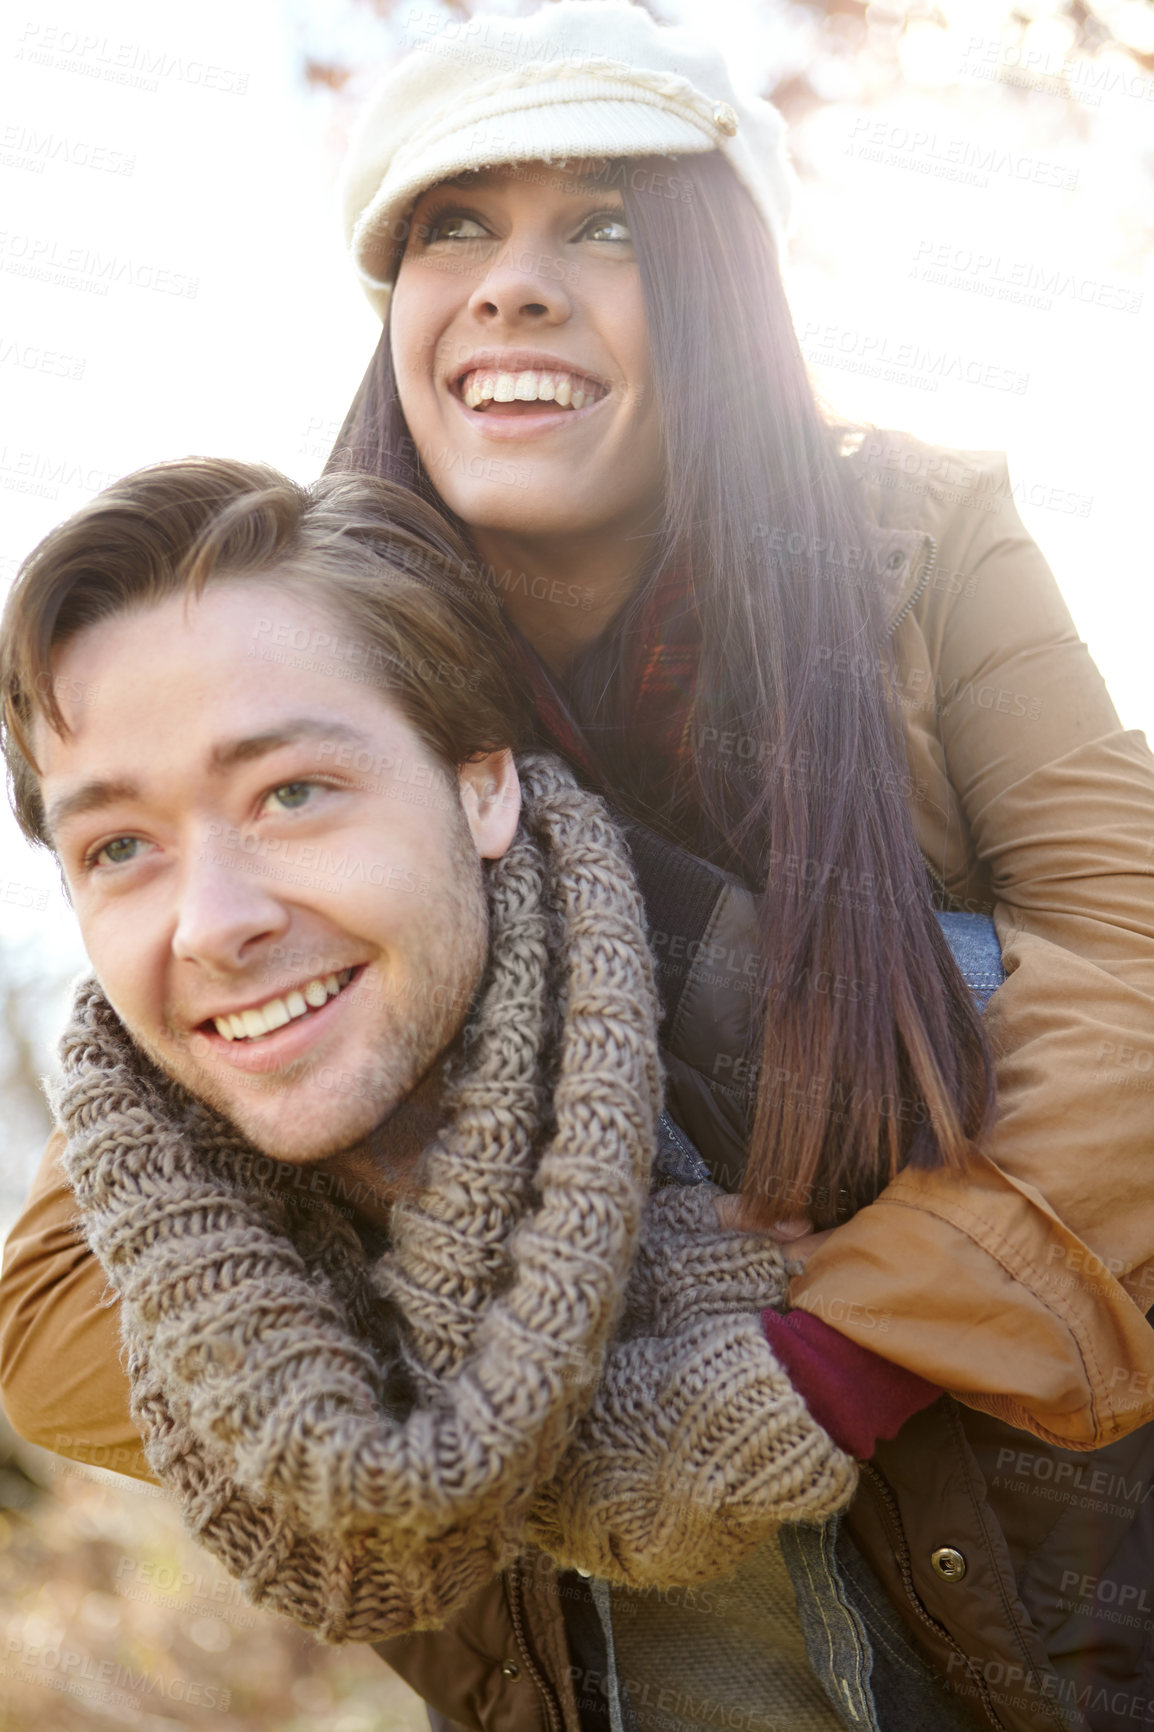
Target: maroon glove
column 856, row 1395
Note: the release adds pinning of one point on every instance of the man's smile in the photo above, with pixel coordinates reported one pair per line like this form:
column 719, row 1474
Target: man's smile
column 289, row 1025
column 256, row 1021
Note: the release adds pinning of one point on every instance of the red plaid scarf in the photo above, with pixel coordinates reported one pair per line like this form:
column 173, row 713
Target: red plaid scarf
column 662, row 653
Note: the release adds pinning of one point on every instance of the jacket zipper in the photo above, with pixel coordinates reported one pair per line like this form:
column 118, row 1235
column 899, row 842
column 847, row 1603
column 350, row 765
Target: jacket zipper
column 902, row 1552
column 916, row 594
column 553, row 1715
column 911, row 601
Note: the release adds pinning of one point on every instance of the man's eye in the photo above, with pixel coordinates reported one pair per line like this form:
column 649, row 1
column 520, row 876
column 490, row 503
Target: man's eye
column 118, row 852
column 608, row 228
column 291, row 796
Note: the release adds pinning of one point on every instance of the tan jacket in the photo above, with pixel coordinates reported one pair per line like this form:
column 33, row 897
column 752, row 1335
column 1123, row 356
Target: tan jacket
column 1022, row 1286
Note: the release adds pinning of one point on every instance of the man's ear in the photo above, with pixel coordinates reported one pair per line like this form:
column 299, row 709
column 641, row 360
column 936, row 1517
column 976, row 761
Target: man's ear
column 491, row 801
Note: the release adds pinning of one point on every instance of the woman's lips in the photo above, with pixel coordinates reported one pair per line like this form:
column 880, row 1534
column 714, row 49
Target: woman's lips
column 519, row 420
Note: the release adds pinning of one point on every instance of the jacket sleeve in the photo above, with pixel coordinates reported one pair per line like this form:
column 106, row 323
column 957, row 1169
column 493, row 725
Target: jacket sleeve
column 1022, row 1285
column 61, row 1378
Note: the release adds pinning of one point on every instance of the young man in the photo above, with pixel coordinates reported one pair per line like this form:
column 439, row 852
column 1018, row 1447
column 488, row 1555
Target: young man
column 269, row 735
column 359, row 1115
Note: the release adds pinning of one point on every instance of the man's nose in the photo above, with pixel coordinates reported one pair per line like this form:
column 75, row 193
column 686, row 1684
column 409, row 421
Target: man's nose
column 524, row 280
column 227, row 905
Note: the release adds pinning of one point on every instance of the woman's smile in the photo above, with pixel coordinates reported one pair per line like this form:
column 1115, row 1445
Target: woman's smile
column 521, row 395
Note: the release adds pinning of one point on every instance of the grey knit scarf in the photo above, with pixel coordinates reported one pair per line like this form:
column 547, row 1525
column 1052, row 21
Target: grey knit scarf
column 361, row 1438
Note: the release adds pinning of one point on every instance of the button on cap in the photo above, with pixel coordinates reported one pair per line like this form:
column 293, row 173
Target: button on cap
column 949, row 1563
column 510, row 1668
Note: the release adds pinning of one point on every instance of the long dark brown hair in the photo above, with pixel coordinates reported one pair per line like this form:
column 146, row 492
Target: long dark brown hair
column 873, row 1056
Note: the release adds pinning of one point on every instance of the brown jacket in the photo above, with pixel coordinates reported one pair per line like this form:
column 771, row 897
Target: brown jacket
column 1022, row 1286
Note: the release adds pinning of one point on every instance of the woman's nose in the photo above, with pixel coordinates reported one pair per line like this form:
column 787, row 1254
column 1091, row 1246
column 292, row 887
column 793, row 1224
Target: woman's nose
column 523, row 281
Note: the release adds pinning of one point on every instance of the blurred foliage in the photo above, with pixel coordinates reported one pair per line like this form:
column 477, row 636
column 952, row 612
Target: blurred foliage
column 32, row 996
column 818, row 50
column 112, row 1620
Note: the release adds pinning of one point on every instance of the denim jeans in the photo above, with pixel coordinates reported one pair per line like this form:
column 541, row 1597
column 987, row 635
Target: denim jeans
column 861, row 1655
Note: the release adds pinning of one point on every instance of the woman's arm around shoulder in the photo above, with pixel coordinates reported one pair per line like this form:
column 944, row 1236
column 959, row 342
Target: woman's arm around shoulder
column 1021, row 1285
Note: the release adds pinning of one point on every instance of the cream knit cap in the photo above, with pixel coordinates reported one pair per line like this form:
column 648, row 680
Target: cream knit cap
column 576, row 79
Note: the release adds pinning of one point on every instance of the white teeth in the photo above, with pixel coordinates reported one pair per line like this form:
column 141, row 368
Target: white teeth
column 251, row 1024
column 530, row 386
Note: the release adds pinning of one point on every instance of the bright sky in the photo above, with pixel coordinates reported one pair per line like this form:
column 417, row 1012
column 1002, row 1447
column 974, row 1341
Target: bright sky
column 172, row 281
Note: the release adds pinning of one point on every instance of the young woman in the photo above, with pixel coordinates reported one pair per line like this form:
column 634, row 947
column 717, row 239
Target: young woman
column 865, row 700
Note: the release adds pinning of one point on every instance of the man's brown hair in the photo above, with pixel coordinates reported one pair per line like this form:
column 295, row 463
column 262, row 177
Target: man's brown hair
column 415, row 620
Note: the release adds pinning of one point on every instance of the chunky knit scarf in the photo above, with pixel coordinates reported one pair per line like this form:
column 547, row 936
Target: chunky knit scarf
column 361, row 1438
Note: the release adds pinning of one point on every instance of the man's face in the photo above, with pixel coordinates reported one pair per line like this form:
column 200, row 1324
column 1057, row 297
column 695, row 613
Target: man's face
column 278, row 883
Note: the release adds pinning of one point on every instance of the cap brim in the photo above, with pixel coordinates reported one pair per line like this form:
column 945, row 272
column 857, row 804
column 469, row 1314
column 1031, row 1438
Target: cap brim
column 583, row 130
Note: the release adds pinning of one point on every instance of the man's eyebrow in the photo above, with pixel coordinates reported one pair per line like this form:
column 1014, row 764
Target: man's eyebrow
column 229, row 753
column 89, row 797
column 106, row 791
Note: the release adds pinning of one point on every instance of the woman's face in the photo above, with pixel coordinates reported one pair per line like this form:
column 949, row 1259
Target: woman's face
column 521, row 352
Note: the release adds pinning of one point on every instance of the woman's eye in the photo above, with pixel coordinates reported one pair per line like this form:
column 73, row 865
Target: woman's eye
column 453, row 226
column 608, row 228
column 291, row 796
